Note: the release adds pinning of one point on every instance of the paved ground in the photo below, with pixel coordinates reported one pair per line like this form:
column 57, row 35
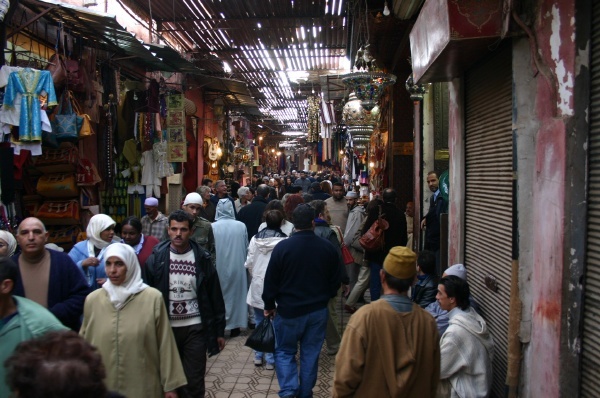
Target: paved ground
column 232, row 373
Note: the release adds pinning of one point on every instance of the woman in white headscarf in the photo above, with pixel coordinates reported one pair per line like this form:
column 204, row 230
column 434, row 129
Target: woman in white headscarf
column 8, row 244
column 231, row 247
column 89, row 254
column 128, row 322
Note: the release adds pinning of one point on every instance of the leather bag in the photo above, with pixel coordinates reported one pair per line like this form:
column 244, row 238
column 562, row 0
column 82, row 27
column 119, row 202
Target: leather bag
column 58, row 70
column 57, row 160
column 374, row 239
column 60, row 185
column 86, row 129
column 66, row 123
column 59, row 212
column 346, row 255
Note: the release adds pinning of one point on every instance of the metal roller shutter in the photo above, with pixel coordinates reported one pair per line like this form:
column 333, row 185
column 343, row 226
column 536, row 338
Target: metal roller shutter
column 489, row 196
column 590, row 362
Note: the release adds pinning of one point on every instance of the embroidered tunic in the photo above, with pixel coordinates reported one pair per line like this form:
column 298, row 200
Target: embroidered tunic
column 30, row 83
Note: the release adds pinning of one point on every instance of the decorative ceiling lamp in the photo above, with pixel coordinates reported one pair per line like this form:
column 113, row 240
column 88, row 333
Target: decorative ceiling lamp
column 416, row 91
column 360, row 133
column 368, row 86
column 354, row 114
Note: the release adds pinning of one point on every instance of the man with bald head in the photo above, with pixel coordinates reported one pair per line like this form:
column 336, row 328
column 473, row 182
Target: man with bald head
column 48, row 277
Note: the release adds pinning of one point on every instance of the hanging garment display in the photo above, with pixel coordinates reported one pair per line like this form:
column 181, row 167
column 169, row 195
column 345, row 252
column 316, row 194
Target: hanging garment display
column 11, row 116
column 149, row 178
column 30, row 83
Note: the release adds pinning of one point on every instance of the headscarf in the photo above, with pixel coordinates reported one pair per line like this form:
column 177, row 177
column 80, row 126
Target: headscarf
column 97, row 224
column 225, row 210
column 10, row 241
column 133, row 283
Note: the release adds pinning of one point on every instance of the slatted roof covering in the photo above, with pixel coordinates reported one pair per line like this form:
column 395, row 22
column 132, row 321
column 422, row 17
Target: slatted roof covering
column 260, row 41
column 101, row 29
column 172, row 57
column 235, row 93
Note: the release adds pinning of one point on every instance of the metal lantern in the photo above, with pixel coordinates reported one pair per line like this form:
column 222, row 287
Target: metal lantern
column 368, row 86
column 354, row 114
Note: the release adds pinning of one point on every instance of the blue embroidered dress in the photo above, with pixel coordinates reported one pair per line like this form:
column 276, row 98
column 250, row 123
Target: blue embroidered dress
column 30, row 83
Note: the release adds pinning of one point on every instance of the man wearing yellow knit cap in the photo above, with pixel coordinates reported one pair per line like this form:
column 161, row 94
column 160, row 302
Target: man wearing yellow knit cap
column 390, row 347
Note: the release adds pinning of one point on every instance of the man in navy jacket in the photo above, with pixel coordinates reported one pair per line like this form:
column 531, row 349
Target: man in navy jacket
column 301, row 290
column 48, row 277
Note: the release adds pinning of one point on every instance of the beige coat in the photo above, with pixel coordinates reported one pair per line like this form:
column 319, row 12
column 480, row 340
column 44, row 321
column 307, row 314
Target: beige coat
column 385, row 353
column 136, row 343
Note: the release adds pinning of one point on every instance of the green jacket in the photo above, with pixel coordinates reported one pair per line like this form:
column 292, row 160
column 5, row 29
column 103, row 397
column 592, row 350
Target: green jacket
column 31, row 321
column 203, row 235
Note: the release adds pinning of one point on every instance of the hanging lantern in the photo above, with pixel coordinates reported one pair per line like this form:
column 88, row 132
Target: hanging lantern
column 360, row 133
column 368, row 86
column 354, row 114
column 416, row 91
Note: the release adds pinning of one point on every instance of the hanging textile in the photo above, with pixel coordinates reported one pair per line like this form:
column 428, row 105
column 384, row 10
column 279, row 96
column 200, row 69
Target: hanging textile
column 30, row 83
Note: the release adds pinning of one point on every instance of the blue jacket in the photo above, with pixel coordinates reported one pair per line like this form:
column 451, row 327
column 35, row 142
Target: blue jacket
column 78, row 253
column 67, row 289
column 303, row 274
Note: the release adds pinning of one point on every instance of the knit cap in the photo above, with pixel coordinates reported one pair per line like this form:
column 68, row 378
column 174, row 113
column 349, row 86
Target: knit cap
column 401, row 262
column 457, row 270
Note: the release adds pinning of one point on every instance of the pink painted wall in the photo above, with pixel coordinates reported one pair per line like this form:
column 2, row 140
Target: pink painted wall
column 554, row 105
column 456, row 147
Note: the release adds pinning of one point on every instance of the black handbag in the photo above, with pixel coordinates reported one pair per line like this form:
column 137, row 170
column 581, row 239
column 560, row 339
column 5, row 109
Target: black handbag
column 66, row 123
column 262, row 338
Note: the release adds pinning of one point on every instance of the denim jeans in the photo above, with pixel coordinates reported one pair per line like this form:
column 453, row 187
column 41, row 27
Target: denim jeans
column 375, row 285
column 269, row 357
column 309, row 330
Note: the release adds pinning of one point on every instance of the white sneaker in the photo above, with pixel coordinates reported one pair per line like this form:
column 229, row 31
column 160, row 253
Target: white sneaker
column 258, row 362
column 269, row 366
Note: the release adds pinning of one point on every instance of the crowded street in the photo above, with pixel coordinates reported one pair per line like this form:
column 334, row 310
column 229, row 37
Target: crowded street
column 298, row 199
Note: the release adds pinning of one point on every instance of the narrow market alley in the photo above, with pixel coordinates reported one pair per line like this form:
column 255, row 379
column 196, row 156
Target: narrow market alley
column 232, row 373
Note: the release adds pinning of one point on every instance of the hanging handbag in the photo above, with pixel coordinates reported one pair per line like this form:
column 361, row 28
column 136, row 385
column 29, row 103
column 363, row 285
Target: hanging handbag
column 374, row 239
column 66, row 123
column 262, row 338
column 86, row 129
column 346, row 255
column 58, row 70
column 56, row 66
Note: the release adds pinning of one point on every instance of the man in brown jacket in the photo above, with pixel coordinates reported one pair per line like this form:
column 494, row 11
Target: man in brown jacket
column 391, row 347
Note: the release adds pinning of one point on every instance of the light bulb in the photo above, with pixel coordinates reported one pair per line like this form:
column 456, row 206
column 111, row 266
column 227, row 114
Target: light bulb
column 371, row 164
column 341, row 151
column 386, row 10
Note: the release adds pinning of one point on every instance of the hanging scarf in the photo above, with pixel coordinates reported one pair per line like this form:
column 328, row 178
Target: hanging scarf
column 133, row 283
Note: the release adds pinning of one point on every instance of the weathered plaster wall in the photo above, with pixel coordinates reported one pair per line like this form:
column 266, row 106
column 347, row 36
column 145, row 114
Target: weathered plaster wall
column 428, row 148
column 456, row 146
column 554, row 105
column 576, row 205
column 525, row 129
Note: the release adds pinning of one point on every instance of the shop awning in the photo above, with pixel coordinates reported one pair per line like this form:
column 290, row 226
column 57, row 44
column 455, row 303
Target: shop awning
column 103, row 30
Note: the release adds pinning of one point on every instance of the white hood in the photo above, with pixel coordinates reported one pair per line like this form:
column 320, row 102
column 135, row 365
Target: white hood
column 266, row 245
column 474, row 324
